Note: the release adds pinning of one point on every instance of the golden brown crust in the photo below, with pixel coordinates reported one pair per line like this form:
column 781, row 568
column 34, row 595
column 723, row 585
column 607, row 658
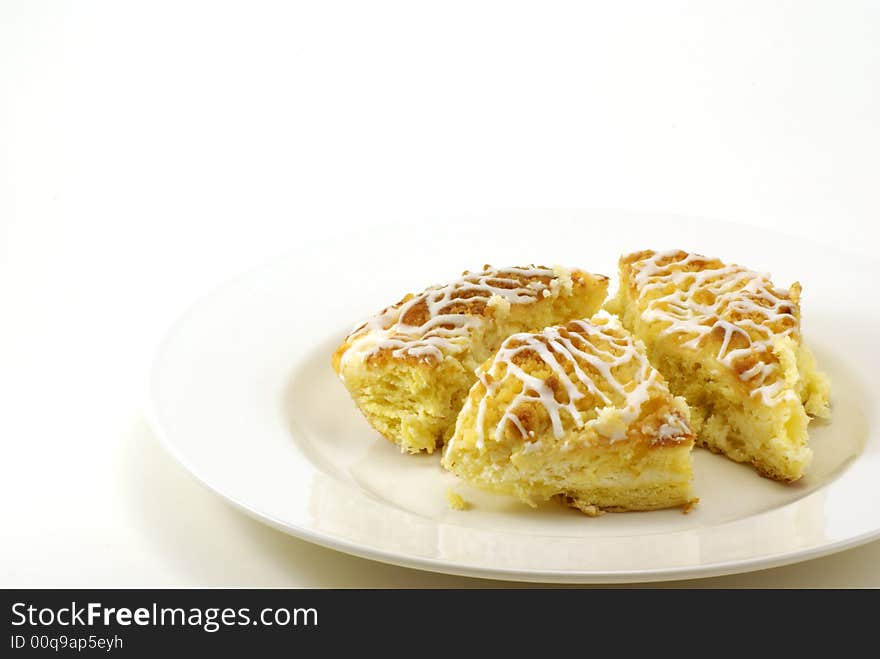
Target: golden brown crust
column 741, row 313
column 412, row 324
column 596, row 362
column 592, row 510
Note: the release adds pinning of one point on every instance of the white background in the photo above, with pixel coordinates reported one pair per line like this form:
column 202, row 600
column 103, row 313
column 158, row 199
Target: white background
column 150, row 151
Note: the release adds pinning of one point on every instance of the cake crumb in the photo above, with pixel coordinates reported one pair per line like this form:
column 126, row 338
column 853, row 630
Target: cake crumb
column 456, row 501
column 689, row 506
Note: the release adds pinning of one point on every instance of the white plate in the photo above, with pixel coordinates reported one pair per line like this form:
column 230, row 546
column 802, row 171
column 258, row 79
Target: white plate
column 243, row 395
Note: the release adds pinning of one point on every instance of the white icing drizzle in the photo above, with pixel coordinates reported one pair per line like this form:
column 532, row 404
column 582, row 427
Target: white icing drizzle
column 735, row 291
column 576, row 345
column 445, row 331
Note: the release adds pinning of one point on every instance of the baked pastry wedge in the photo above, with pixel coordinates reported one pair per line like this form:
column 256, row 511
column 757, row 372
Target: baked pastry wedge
column 729, row 341
column 410, row 367
column 575, row 412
